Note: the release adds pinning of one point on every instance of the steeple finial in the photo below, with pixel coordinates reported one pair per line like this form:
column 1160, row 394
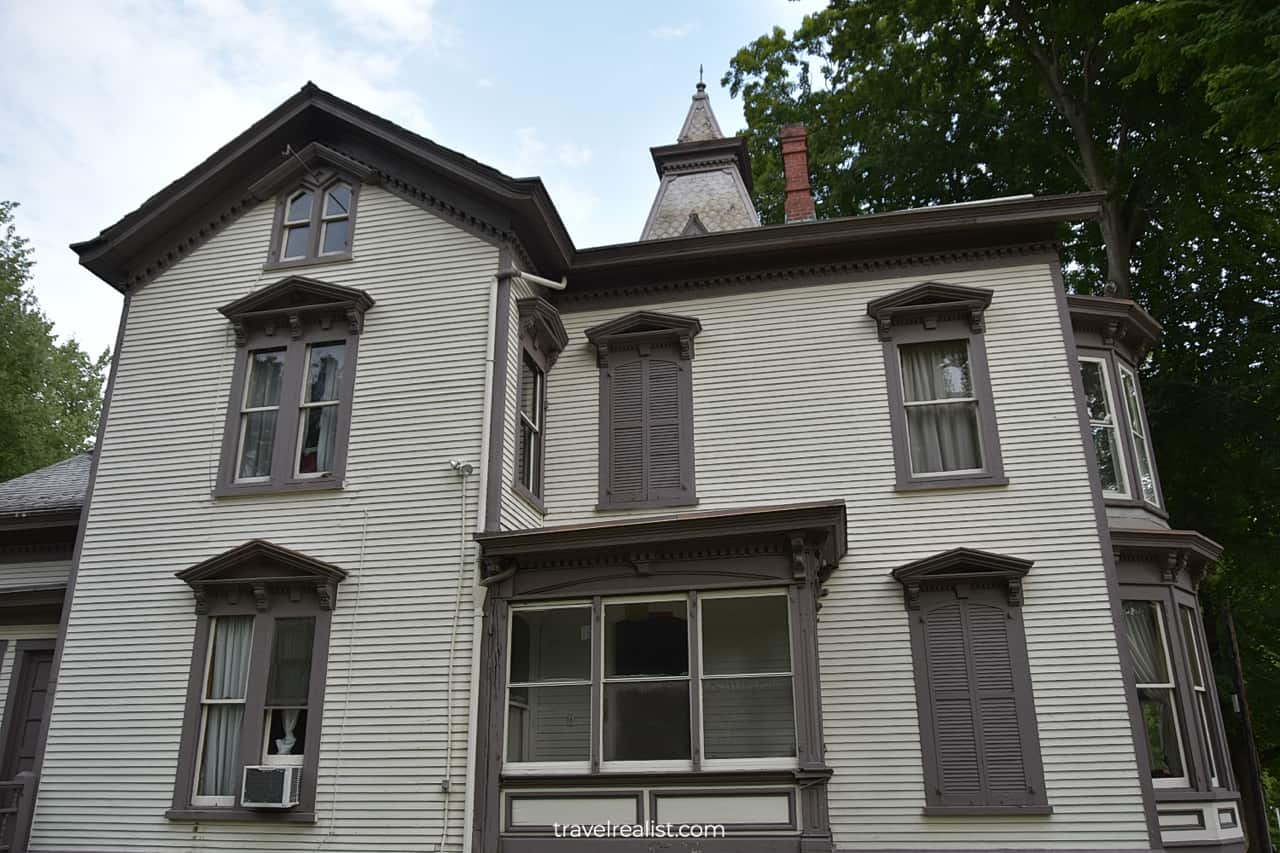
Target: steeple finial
column 702, row 87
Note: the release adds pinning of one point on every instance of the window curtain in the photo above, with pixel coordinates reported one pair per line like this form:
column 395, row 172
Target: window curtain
column 1144, row 642
column 943, row 436
column 228, row 677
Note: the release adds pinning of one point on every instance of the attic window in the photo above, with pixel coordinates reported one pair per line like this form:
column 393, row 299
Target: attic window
column 314, row 222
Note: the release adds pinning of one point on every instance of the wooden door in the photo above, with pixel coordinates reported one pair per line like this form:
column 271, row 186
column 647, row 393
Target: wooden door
column 26, row 706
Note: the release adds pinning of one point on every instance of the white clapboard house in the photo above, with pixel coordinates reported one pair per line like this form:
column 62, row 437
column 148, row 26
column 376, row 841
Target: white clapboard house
column 413, row 527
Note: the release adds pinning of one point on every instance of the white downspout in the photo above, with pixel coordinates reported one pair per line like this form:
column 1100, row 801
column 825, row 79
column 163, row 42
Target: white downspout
column 463, row 471
column 477, row 591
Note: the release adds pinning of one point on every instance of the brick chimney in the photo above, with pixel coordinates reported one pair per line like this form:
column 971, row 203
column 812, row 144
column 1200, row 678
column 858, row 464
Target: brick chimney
column 795, row 166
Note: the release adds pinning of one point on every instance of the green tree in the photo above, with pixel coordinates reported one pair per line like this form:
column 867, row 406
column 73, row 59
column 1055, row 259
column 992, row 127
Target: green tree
column 50, row 392
column 1160, row 106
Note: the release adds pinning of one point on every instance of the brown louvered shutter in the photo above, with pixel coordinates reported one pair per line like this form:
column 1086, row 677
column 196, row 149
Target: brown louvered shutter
column 663, row 466
column 649, row 456
column 974, row 668
column 626, row 425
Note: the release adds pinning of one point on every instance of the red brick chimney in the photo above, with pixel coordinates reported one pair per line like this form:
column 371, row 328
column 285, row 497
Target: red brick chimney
column 795, row 166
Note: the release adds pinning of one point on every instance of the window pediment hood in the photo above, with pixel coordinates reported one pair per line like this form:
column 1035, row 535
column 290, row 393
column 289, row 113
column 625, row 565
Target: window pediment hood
column 810, row 535
column 1181, row 555
column 282, row 304
column 928, row 303
column 540, row 321
column 962, row 566
column 256, row 566
column 641, row 326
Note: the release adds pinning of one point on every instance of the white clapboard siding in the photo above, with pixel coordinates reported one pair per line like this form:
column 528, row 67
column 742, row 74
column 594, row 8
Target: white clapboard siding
column 19, row 575
column 790, row 405
column 113, row 744
column 11, row 635
column 517, row 513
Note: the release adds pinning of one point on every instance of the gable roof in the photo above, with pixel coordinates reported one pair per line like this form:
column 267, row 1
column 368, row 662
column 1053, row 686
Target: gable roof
column 192, row 208
column 56, row 488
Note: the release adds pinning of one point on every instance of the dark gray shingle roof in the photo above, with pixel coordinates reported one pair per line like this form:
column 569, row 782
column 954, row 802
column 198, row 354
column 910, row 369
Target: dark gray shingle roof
column 60, row 486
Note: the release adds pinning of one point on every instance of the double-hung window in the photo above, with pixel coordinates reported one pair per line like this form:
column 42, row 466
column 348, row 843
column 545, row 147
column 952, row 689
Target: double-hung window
column 292, row 386
column 659, row 682
column 1103, row 426
column 943, row 431
column 257, row 675
column 222, row 701
column 533, row 383
column 1200, row 690
column 1138, row 431
column 941, row 408
column 1149, row 646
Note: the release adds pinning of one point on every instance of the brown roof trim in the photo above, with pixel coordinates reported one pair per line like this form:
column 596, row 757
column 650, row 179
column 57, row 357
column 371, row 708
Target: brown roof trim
column 195, row 206
column 1115, row 320
column 822, row 521
column 887, row 240
column 257, row 553
column 1134, row 541
column 69, row 517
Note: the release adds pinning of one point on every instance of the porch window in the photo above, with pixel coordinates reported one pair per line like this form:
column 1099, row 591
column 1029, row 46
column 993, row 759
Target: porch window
column 653, row 683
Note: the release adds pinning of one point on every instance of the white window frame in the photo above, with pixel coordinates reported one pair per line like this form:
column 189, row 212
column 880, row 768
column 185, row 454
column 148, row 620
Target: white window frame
column 538, row 767
column 304, row 408
column 1117, row 443
column 763, row 763
column 1200, row 688
column 1171, row 686
column 249, row 410
column 534, row 426
column 1138, row 429
column 946, row 401
column 287, row 225
column 326, row 218
column 197, row 799
column 664, row 765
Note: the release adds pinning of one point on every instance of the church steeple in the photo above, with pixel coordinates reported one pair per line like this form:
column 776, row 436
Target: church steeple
column 705, row 178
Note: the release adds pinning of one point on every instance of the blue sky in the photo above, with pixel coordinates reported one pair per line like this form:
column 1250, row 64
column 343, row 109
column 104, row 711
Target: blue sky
column 104, row 103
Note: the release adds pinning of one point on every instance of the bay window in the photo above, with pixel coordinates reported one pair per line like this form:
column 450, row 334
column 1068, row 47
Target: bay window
column 1138, row 433
column 1148, row 638
column 706, row 674
column 1104, row 425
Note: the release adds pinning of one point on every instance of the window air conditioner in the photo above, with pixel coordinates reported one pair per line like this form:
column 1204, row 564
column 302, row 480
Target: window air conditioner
column 271, row 787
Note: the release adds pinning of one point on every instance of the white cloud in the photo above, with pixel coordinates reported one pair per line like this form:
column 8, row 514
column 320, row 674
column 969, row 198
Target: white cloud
column 106, row 103
column 485, row 83
column 673, row 31
column 573, row 155
column 407, row 21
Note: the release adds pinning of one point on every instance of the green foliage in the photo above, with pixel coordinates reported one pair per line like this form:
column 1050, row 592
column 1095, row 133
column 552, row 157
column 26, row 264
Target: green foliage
column 50, row 392
column 1168, row 107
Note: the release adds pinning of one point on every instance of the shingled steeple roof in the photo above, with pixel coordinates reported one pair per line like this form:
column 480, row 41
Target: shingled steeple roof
column 705, row 179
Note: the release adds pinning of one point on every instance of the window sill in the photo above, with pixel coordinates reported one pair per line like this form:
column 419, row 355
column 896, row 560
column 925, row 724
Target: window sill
column 318, row 484
column 666, row 502
column 986, row 811
column 1135, row 503
column 530, row 498
column 920, row 484
column 271, row 266
column 233, row 813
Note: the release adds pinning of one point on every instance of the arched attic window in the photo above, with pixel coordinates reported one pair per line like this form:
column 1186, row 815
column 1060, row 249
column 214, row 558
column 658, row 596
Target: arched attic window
column 311, row 231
